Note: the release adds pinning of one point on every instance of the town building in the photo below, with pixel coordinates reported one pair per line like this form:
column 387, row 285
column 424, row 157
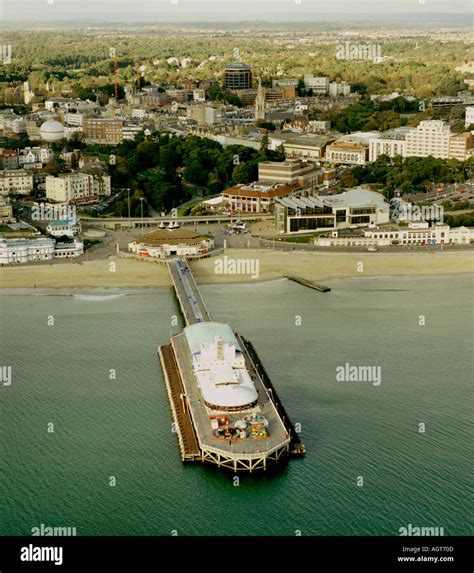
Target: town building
column 74, row 119
column 26, row 250
column 256, row 197
column 337, row 89
column 199, row 95
column 460, row 146
column 391, row 146
column 434, row 137
column 131, row 130
column 15, row 181
column 31, row 157
column 424, row 234
column 8, row 159
column 164, row 243
column 6, row 210
column 469, row 116
column 69, row 250
column 204, row 114
column 319, row 85
column 63, row 228
column 102, row 130
column 238, row 76
column 305, row 146
column 347, row 153
column 289, row 171
column 305, row 214
column 76, row 186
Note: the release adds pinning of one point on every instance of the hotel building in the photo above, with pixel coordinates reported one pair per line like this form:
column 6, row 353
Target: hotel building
column 73, row 186
column 391, row 146
column 433, row 137
column 15, row 181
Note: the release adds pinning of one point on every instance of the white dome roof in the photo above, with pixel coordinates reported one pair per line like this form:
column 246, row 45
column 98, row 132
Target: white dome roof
column 52, row 130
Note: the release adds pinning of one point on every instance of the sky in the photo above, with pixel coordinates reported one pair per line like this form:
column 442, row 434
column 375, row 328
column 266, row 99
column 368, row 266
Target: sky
column 156, row 11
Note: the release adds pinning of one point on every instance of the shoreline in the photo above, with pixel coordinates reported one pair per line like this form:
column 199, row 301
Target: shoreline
column 117, row 272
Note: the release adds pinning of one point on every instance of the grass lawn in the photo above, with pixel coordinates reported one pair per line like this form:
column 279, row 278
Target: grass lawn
column 301, row 239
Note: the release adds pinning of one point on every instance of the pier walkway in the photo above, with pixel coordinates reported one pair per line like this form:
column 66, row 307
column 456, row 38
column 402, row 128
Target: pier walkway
column 192, row 304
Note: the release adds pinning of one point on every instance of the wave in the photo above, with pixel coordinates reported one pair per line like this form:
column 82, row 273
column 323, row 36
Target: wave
column 96, row 297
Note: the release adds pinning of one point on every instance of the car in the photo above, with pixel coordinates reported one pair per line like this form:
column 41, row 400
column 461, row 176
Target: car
column 372, row 250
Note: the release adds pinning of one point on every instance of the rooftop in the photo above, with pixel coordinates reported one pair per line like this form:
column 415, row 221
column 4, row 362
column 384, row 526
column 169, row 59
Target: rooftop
column 238, row 67
column 261, row 190
column 171, row 237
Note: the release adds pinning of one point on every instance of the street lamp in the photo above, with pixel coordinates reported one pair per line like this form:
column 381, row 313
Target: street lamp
column 141, row 208
column 128, row 194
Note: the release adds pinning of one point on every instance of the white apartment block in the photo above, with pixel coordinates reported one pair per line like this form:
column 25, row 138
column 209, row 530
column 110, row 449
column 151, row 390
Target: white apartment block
column 469, row 118
column 431, row 137
column 15, row 181
column 386, row 146
column 337, row 89
column 130, row 131
column 72, row 186
column 199, row 95
column 319, row 85
column 74, row 119
column 434, row 137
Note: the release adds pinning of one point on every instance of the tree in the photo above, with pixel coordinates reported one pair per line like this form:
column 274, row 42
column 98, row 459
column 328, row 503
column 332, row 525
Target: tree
column 245, row 172
column 196, row 173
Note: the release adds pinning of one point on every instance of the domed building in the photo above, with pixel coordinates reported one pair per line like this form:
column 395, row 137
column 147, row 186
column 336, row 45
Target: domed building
column 52, row 131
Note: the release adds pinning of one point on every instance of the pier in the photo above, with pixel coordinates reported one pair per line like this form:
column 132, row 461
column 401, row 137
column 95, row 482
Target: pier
column 269, row 437
column 308, row 283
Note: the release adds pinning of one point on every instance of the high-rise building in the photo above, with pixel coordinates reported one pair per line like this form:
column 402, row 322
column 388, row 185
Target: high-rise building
column 238, row 76
column 434, row 137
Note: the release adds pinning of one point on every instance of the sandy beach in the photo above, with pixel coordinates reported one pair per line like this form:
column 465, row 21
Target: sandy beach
column 121, row 272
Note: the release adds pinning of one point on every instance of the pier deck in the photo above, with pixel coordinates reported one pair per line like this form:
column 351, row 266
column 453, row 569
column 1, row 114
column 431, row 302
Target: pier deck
column 241, row 449
column 184, row 427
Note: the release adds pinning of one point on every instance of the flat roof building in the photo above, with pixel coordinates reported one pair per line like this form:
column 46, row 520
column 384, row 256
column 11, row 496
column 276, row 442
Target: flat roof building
column 357, row 207
column 238, row 76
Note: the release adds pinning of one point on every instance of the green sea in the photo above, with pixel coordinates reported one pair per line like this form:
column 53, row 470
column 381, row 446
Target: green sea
column 379, row 457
